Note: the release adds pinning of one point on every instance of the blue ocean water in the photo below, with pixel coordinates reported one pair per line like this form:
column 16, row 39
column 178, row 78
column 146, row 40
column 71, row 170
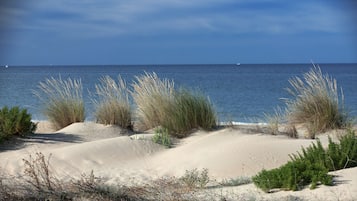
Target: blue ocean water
column 241, row 93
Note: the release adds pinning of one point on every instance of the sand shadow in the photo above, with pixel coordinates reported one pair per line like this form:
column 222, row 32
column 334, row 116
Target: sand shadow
column 38, row 138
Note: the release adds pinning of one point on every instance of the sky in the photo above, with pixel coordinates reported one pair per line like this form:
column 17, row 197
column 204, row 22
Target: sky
column 109, row 32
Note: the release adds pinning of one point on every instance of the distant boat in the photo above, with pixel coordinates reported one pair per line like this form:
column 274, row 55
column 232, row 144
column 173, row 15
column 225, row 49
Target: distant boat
column 238, row 64
column 6, row 66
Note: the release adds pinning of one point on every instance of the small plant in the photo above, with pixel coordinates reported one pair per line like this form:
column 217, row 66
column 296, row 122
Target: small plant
column 15, row 121
column 112, row 103
column 62, row 99
column 40, row 175
column 316, row 102
column 195, row 179
column 162, row 137
column 274, row 120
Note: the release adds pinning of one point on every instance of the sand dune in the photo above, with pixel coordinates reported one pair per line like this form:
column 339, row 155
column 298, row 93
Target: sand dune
column 113, row 154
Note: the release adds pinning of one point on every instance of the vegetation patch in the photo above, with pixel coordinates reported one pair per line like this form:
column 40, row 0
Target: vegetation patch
column 311, row 166
column 316, row 102
column 112, row 104
column 162, row 137
column 15, row 121
column 62, row 100
column 180, row 111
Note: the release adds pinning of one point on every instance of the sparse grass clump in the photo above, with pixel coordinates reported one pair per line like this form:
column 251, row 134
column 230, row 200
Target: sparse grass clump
column 62, row 99
column 180, row 111
column 316, row 102
column 112, row 105
column 311, row 166
column 15, row 121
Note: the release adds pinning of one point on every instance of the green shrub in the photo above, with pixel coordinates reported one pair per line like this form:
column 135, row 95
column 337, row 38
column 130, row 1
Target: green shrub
column 112, row 103
column 311, row 166
column 162, row 137
column 188, row 111
column 316, row 102
column 344, row 154
column 62, row 99
column 15, row 121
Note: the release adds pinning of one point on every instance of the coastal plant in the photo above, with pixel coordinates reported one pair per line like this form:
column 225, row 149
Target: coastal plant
column 316, row 102
column 180, row 111
column 311, row 165
column 112, row 104
column 15, row 121
column 152, row 97
column 195, row 178
column 274, row 120
column 162, row 137
column 189, row 110
column 62, row 100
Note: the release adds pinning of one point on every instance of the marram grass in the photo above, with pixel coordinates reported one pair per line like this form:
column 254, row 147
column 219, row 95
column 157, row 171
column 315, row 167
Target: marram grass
column 316, row 102
column 112, row 104
column 152, row 97
column 62, row 100
column 179, row 111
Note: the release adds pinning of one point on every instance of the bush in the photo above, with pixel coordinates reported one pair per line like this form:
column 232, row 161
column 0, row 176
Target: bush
column 344, row 154
column 15, row 121
column 112, row 103
column 62, row 99
column 316, row 102
column 188, row 111
column 162, row 137
column 311, row 166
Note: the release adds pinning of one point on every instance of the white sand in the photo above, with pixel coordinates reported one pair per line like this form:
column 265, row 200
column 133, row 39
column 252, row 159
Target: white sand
column 119, row 158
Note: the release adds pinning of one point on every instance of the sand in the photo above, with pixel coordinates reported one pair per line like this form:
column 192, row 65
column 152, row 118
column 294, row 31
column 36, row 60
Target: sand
column 124, row 158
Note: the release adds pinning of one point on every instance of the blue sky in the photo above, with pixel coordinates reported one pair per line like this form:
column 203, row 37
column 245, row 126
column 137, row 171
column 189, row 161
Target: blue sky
column 66, row 32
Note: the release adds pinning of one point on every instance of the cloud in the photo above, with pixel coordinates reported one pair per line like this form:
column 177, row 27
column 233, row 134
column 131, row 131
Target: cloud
column 91, row 18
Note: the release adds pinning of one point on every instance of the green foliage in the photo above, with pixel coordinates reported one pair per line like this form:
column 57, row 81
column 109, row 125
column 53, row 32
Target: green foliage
column 195, row 179
column 62, row 99
column 316, row 102
column 15, row 121
column 112, row 103
column 344, row 154
column 189, row 110
column 311, row 165
column 162, row 137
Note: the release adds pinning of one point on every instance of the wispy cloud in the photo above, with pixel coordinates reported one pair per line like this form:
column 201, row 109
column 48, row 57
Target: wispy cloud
column 92, row 18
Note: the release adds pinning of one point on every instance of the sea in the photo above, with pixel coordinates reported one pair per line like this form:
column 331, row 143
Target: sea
column 239, row 92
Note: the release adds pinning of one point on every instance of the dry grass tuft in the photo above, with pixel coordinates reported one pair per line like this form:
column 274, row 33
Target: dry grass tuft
column 152, row 96
column 112, row 103
column 62, row 99
column 316, row 102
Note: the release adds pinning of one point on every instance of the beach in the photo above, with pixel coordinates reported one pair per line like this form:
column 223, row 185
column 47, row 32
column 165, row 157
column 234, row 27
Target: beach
column 121, row 157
